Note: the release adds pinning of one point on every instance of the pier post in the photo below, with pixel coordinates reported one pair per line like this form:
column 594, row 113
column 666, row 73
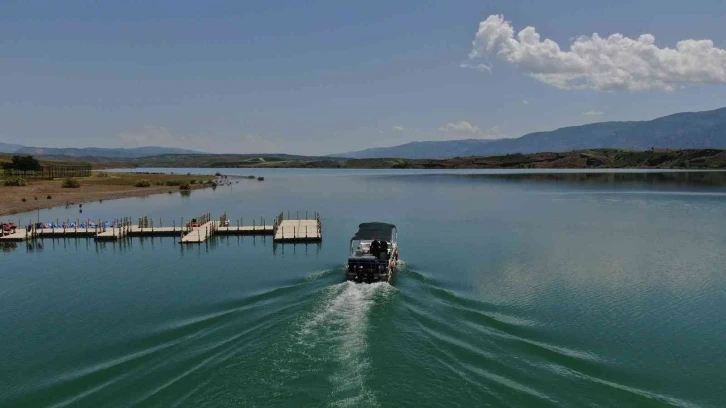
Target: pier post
column 253, row 224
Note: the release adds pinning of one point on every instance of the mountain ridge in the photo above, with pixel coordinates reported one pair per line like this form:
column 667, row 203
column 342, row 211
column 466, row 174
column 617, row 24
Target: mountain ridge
column 120, row 152
column 682, row 130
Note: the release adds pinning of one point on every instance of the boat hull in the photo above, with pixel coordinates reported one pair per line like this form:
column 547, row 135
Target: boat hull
column 381, row 271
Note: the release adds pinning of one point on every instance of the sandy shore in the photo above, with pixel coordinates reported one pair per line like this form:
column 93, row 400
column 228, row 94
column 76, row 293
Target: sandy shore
column 115, row 186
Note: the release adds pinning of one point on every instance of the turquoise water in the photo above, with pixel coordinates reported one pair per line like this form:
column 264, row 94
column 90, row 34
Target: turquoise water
column 516, row 289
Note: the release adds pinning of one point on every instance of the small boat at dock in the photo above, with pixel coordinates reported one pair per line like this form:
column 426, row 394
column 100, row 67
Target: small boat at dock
column 373, row 253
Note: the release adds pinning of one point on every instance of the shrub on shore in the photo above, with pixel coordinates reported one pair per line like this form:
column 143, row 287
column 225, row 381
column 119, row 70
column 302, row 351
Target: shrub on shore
column 102, row 174
column 218, row 174
column 15, row 181
column 70, row 183
column 193, row 181
column 174, row 183
column 143, row 183
column 49, row 197
column 260, row 179
column 185, row 186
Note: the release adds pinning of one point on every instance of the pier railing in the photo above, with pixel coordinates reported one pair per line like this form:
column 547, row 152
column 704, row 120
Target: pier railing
column 306, row 227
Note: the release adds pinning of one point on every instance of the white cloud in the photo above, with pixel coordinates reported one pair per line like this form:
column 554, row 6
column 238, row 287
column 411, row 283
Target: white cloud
column 466, row 128
column 461, row 127
column 398, row 129
column 150, row 135
column 525, row 102
column 593, row 113
column 478, row 67
column 601, row 63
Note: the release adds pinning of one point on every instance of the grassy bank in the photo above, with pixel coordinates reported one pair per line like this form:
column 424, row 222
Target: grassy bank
column 581, row 159
column 38, row 194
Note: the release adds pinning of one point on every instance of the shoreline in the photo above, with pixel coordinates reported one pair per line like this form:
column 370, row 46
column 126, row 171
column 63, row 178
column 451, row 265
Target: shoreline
column 46, row 194
column 74, row 198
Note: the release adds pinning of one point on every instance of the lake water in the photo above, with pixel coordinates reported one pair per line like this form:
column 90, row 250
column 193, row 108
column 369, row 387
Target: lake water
column 516, row 289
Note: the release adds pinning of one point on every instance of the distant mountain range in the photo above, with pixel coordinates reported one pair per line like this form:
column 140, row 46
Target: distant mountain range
column 93, row 151
column 690, row 130
column 417, row 150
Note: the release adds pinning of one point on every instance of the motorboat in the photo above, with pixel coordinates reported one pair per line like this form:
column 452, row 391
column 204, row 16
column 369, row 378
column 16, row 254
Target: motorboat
column 373, row 253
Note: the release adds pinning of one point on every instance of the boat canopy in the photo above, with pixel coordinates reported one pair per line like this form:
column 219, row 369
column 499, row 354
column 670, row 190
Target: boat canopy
column 374, row 230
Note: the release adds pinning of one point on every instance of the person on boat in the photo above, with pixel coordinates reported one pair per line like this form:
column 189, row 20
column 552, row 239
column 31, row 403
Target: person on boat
column 384, row 248
column 375, row 247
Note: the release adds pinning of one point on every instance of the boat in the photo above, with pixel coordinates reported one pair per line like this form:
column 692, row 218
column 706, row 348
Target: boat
column 373, row 253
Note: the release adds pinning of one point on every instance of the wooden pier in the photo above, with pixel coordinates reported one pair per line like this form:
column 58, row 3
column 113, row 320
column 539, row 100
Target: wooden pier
column 199, row 234
column 198, row 231
column 297, row 230
column 20, row 234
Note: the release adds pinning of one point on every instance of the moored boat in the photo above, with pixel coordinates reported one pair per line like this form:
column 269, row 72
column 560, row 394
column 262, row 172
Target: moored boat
column 373, row 253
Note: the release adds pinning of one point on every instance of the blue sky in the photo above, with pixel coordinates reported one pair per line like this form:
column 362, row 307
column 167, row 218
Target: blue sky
column 322, row 77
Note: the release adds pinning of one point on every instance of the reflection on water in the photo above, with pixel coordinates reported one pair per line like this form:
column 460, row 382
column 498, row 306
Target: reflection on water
column 668, row 180
column 518, row 289
column 128, row 244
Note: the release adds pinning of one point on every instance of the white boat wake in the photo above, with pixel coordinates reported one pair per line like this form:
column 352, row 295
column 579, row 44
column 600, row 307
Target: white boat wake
column 339, row 326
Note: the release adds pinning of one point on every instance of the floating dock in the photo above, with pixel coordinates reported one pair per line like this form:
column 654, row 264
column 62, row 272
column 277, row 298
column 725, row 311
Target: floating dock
column 202, row 229
column 298, row 230
column 20, row 234
column 199, row 234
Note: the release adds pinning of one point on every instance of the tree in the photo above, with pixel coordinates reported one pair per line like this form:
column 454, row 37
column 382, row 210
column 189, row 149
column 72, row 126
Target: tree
column 22, row 163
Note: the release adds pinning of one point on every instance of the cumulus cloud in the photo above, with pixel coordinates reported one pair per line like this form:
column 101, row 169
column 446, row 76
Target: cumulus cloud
column 461, row 127
column 610, row 63
column 149, row 135
column 525, row 102
column 398, row 129
column 466, row 128
column 593, row 113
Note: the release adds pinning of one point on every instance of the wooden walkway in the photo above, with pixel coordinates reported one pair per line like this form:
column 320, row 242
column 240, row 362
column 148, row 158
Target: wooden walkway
column 66, row 232
column 110, row 234
column 234, row 230
column 199, row 234
column 19, row 235
column 282, row 230
column 298, row 230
